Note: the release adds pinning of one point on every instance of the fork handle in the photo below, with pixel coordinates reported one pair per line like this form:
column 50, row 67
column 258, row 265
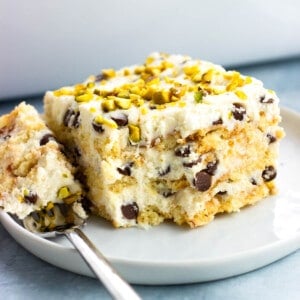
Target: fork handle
column 117, row 287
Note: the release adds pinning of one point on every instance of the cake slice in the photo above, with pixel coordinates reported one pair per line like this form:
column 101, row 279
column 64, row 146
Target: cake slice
column 174, row 138
column 37, row 181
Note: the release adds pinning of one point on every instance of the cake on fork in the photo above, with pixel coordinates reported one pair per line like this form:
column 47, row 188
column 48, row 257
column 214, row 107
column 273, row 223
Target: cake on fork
column 174, row 138
column 37, row 181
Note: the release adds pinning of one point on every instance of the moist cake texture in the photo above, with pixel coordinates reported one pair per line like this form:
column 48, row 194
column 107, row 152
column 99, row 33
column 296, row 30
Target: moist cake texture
column 174, row 138
column 37, row 181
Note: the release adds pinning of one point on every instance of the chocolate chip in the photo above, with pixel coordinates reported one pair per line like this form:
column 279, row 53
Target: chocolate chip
column 202, row 181
column 98, row 127
column 50, row 213
column 238, row 111
column 71, row 118
column 271, row 138
column 46, row 139
column 222, row 193
column 126, row 170
column 6, row 137
column 212, row 167
column 86, row 204
column 121, row 120
column 192, row 163
column 168, row 193
column 183, row 151
column 31, row 198
column 64, row 209
column 262, row 99
column 269, row 173
column 165, row 172
column 130, row 211
column 253, row 181
column 100, row 77
column 218, row 122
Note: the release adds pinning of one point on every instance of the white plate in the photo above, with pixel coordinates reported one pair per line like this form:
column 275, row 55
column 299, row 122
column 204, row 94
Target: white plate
column 168, row 254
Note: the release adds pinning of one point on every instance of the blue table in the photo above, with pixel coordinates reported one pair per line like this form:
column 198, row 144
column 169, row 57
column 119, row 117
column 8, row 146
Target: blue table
column 23, row 276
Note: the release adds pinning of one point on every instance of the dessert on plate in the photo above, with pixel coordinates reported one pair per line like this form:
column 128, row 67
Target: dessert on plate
column 37, row 181
column 174, row 138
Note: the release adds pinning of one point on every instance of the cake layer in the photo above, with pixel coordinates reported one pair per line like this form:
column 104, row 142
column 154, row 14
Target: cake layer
column 168, row 139
column 36, row 178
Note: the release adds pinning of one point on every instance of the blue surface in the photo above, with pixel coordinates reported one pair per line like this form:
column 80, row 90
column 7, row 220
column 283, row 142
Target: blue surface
column 23, row 276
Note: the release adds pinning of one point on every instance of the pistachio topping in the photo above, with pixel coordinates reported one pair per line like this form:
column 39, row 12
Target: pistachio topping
column 134, row 133
column 63, row 192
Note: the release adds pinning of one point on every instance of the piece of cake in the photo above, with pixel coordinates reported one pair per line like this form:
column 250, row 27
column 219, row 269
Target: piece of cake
column 174, row 138
column 37, row 182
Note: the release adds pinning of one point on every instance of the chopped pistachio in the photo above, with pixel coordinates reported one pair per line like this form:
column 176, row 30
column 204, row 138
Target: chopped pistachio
column 191, row 70
column 248, row 80
column 241, row 94
column 134, row 133
column 108, row 105
column 100, row 120
column 122, row 102
column 161, row 97
column 63, row 192
column 124, row 94
column 49, row 206
column 198, row 96
column 108, row 73
column 207, row 77
column 84, row 97
column 90, row 84
column 63, row 92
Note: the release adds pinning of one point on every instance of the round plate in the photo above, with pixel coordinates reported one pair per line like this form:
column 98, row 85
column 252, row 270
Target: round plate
column 168, row 254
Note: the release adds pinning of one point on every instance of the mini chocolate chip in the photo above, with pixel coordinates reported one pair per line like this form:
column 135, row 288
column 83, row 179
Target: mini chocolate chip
column 121, row 120
column 86, row 204
column 271, row 138
column 152, row 107
column 253, row 181
column 202, row 181
column 238, row 111
column 76, row 121
column 130, row 211
column 222, row 193
column 269, row 173
column 46, row 139
column 31, row 198
column 126, row 170
column 165, row 172
column 192, row 163
column 64, row 209
column 218, row 122
column 98, row 127
column 168, row 193
column 183, row 151
column 71, row 118
column 262, row 99
column 50, row 213
column 100, row 77
column 212, row 167
column 6, row 137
